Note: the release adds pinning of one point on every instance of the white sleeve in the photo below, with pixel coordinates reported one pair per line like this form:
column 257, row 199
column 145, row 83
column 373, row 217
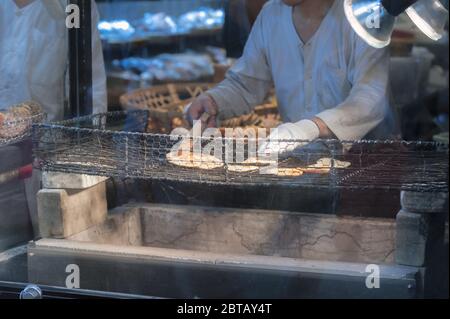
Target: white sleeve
column 368, row 102
column 248, row 81
column 99, row 92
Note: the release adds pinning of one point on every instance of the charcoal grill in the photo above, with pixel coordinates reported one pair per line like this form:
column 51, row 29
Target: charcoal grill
column 159, row 242
column 113, row 145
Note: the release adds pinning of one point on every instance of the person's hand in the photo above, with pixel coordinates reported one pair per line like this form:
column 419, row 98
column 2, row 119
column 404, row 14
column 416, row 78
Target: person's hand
column 289, row 136
column 203, row 108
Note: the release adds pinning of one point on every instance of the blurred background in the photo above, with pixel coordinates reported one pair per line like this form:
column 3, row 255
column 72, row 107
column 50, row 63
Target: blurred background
column 151, row 43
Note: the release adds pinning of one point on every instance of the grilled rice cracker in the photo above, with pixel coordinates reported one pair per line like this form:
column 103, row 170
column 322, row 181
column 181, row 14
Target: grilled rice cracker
column 194, row 160
column 329, row 163
column 183, row 155
column 250, row 165
column 322, row 166
column 278, row 171
column 289, row 172
column 236, row 168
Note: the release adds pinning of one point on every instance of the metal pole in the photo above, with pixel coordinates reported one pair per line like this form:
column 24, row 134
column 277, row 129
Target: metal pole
column 80, row 62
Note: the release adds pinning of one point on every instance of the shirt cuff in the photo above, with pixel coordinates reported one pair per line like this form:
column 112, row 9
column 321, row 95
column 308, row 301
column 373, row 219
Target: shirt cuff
column 222, row 102
column 308, row 130
column 343, row 133
column 345, row 130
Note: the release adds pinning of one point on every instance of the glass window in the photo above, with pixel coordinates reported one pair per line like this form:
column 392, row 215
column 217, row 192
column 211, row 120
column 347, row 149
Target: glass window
column 223, row 149
column 33, row 68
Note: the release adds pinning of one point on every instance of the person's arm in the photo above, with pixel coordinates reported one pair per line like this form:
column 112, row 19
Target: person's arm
column 99, row 92
column 246, row 85
column 361, row 112
column 365, row 107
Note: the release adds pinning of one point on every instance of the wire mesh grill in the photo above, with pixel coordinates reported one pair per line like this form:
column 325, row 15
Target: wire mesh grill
column 116, row 145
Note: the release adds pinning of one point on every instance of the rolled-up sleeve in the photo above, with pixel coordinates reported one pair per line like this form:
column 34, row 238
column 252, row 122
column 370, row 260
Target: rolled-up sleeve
column 248, row 81
column 368, row 101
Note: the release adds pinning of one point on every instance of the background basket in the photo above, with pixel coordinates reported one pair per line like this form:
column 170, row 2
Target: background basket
column 16, row 123
column 166, row 104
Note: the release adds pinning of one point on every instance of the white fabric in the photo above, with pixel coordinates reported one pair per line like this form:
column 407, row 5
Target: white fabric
column 289, row 136
column 33, row 57
column 335, row 76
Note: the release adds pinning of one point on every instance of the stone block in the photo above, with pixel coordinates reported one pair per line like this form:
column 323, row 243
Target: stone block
column 63, row 213
column 411, row 238
column 423, row 202
column 269, row 233
column 56, row 180
column 122, row 228
column 417, row 237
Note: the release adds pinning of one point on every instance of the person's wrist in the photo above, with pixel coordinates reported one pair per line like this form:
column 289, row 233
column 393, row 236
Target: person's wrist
column 325, row 131
column 213, row 103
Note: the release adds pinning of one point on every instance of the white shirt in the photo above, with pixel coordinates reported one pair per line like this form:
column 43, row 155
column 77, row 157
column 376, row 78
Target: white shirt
column 335, row 76
column 33, row 58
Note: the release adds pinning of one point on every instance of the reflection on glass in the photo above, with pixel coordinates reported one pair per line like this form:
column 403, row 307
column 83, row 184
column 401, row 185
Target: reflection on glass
column 130, row 206
column 430, row 16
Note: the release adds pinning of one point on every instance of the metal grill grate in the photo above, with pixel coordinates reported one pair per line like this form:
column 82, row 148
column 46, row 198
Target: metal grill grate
column 113, row 145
